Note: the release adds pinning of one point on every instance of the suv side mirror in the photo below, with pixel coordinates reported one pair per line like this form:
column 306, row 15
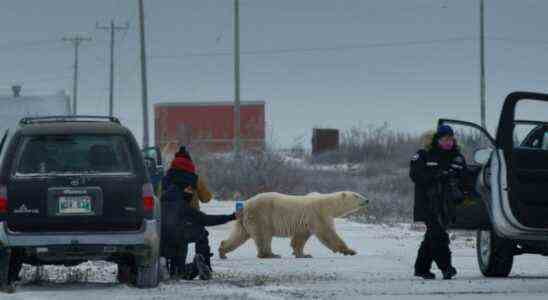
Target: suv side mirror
column 151, row 165
column 482, row 156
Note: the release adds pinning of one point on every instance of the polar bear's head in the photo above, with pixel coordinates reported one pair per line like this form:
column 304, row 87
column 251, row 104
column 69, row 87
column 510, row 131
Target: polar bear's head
column 345, row 203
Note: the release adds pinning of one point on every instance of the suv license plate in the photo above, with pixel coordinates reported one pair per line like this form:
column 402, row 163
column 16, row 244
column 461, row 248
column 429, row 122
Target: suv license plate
column 75, row 205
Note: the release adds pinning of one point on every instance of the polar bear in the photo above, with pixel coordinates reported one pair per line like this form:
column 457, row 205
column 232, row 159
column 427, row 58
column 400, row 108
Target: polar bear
column 271, row 215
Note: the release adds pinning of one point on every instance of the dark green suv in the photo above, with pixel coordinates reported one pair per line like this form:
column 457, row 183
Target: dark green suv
column 74, row 189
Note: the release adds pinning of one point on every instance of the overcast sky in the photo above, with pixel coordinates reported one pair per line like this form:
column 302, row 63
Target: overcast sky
column 323, row 63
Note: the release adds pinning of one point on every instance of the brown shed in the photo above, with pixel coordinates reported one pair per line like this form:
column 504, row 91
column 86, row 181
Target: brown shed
column 324, row 140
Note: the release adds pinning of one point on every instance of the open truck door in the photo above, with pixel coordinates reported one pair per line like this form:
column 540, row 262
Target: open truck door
column 511, row 184
column 3, row 141
column 510, row 181
column 520, row 188
column 476, row 145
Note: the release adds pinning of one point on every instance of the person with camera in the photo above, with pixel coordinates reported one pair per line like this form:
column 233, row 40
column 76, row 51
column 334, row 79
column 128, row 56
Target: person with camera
column 183, row 223
column 438, row 173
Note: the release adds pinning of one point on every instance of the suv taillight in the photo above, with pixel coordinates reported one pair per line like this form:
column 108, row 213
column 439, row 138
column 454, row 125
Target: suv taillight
column 148, row 198
column 3, row 199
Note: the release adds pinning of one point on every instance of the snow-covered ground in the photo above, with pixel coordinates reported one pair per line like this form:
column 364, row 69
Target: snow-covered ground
column 382, row 270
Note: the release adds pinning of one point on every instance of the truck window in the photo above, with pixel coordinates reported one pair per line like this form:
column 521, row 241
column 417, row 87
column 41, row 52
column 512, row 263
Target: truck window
column 545, row 141
column 40, row 155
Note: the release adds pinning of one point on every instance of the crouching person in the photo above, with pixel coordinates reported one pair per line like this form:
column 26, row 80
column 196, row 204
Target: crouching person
column 183, row 223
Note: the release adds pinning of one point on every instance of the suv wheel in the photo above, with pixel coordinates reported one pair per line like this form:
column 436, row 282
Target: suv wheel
column 495, row 254
column 148, row 276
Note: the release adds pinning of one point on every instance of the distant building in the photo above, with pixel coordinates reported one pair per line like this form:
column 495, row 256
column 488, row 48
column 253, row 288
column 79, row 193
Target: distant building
column 324, row 140
column 16, row 106
column 208, row 126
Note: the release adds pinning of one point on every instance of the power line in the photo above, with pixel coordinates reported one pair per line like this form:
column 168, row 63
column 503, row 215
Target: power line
column 322, row 49
column 44, row 79
column 348, row 47
column 29, row 44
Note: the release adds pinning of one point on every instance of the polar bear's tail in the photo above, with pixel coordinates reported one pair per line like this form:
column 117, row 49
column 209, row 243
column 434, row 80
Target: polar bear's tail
column 237, row 237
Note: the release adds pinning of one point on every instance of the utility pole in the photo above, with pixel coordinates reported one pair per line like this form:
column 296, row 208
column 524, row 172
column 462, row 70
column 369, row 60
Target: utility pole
column 482, row 66
column 75, row 41
column 112, row 28
column 144, row 90
column 237, row 133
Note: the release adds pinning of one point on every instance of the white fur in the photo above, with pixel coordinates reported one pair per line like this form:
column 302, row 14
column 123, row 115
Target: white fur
column 271, row 215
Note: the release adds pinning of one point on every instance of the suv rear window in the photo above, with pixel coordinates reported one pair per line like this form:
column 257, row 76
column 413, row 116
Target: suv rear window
column 58, row 154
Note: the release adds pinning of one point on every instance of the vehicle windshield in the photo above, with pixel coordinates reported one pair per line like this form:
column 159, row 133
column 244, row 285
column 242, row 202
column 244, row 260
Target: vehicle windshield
column 41, row 155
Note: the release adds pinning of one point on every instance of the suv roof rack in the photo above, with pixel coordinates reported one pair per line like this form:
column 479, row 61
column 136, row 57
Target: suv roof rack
column 59, row 119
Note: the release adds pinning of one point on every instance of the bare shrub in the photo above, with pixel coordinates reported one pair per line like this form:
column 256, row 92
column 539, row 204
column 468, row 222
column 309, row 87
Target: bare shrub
column 373, row 161
column 250, row 174
column 379, row 143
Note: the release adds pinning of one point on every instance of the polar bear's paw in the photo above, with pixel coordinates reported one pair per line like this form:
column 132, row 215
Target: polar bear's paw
column 303, row 256
column 348, row 252
column 269, row 256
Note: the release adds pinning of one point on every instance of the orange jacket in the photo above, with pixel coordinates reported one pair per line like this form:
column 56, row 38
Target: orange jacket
column 202, row 194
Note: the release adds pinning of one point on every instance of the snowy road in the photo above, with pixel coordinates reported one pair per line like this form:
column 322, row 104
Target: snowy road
column 382, row 270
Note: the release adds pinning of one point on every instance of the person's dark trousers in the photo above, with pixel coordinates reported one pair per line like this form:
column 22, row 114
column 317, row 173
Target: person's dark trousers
column 200, row 237
column 179, row 260
column 201, row 242
column 5, row 260
column 434, row 248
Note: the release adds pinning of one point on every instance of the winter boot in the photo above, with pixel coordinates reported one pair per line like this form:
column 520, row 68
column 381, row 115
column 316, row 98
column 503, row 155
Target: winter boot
column 7, row 288
column 426, row 275
column 124, row 273
column 449, row 273
column 203, row 266
column 191, row 272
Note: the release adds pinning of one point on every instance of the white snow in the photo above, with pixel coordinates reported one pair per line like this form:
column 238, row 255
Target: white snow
column 382, row 270
column 303, row 164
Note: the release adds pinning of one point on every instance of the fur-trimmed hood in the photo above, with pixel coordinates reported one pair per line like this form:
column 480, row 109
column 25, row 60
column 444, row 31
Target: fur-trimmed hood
column 428, row 140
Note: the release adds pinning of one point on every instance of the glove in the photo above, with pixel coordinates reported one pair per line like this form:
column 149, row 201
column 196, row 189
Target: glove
column 468, row 201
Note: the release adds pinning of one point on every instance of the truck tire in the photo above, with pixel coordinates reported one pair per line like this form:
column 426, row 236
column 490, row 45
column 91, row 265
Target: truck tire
column 495, row 254
column 148, row 276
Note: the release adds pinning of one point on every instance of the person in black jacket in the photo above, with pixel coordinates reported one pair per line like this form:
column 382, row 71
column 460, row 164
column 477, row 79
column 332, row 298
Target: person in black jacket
column 182, row 224
column 438, row 173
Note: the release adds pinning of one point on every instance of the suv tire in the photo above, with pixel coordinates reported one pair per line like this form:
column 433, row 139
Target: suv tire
column 495, row 254
column 148, row 276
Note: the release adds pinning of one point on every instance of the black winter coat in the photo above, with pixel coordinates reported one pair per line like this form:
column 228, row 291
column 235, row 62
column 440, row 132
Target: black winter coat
column 430, row 170
column 178, row 216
